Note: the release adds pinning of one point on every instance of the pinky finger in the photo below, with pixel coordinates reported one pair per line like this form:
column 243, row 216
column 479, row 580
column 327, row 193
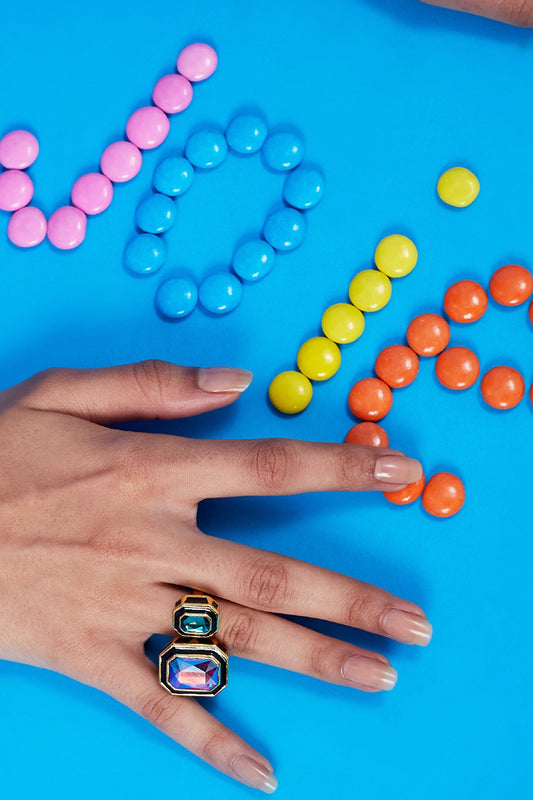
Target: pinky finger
column 186, row 722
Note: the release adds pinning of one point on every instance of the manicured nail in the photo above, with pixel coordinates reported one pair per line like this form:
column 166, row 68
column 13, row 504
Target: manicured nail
column 370, row 672
column 253, row 774
column 407, row 628
column 224, row 379
column 397, row 469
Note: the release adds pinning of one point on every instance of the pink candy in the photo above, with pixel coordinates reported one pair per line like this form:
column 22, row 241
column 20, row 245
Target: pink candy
column 16, row 190
column 172, row 93
column 121, row 161
column 147, row 127
column 92, row 193
column 18, row 149
column 197, row 62
column 27, row 227
column 66, row 227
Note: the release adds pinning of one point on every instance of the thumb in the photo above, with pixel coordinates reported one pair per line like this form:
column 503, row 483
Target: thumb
column 145, row 390
column 515, row 12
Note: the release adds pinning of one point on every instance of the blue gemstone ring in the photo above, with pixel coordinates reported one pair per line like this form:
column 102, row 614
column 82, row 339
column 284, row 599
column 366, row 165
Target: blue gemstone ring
column 194, row 663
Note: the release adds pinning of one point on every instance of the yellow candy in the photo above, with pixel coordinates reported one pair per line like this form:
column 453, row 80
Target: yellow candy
column 290, row 392
column 458, row 187
column 396, row 255
column 370, row 290
column 318, row 358
column 343, row 323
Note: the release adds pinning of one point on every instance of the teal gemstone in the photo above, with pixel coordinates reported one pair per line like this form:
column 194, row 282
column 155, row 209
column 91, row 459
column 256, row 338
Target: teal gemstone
column 195, row 624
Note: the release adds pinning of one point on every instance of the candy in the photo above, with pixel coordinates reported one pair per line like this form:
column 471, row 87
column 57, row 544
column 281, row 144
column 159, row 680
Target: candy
column 220, row 293
column 121, row 161
column 246, row 134
column 530, row 312
column 176, row 297
column 16, row 190
column 27, row 227
column 465, row 301
column 197, row 61
column 145, row 253
column 304, row 187
column 367, row 433
column 428, row 334
column 343, row 323
column 173, row 176
column 396, row 255
column 290, row 392
column 318, row 358
column 206, row 149
column 155, row 214
column 66, row 227
column 172, row 93
column 458, row 187
column 444, row 495
column 283, row 151
column 18, row 149
column 511, row 285
column 285, row 229
column 92, row 193
column 403, row 497
column 253, row 260
column 370, row 290
column 397, row 365
column 457, row 368
column 370, row 399
column 502, row 387
column 147, row 127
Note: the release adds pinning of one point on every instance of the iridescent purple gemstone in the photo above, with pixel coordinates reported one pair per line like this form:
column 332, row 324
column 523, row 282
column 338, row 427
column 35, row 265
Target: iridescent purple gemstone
column 190, row 672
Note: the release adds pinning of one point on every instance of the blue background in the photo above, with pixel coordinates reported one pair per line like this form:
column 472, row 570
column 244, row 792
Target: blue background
column 387, row 95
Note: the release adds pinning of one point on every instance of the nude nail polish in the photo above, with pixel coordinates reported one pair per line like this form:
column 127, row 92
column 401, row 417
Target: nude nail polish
column 370, row 672
column 407, row 628
column 397, row 469
column 224, row 379
column 253, row 774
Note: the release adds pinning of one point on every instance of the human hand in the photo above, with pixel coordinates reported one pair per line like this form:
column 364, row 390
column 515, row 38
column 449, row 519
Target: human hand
column 98, row 526
column 515, row 12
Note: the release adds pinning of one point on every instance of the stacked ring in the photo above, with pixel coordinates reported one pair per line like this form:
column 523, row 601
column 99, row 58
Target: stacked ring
column 194, row 663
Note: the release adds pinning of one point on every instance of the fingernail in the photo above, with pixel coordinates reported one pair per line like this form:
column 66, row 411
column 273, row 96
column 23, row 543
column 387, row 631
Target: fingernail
column 407, row 627
column 224, row 379
column 370, row 672
column 253, row 774
column 397, row 469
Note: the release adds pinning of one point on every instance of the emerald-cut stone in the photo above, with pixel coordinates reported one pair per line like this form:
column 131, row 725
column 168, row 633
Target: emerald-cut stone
column 190, row 672
column 195, row 624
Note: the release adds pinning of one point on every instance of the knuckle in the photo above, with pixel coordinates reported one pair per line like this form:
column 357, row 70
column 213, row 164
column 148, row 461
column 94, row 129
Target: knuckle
column 519, row 12
column 155, row 381
column 320, row 661
column 358, row 609
column 353, row 468
column 241, row 634
column 266, row 583
column 136, row 469
column 159, row 709
column 47, row 383
column 212, row 747
column 271, row 463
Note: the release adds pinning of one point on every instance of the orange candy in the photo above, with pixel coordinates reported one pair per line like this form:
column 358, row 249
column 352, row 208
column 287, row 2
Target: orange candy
column 370, row 399
column 428, row 334
column 397, row 365
column 511, row 285
column 369, row 433
column 444, row 495
column 407, row 495
column 457, row 368
column 502, row 387
column 465, row 301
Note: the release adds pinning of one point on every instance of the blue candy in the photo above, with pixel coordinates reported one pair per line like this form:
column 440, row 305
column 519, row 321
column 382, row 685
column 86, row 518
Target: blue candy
column 285, row 229
column 176, row 297
column 253, row 260
column 155, row 214
column 283, row 151
column 304, row 187
column 144, row 254
column 173, row 176
column 220, row 293
column 206, row 149
column 246, row 134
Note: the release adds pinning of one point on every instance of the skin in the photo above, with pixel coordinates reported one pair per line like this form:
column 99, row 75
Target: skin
column 514, row 12
column 100, row 526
